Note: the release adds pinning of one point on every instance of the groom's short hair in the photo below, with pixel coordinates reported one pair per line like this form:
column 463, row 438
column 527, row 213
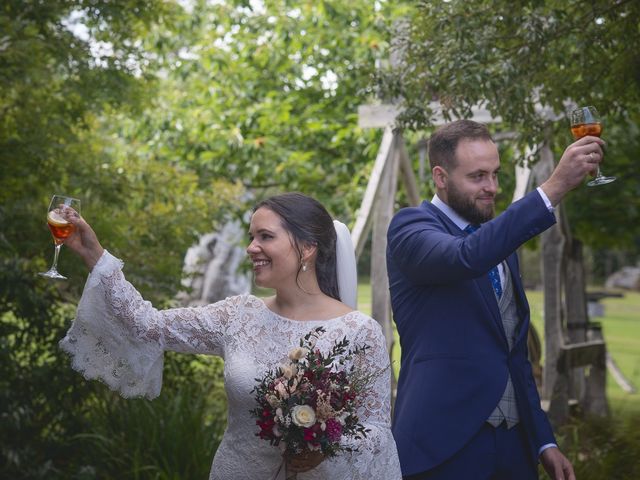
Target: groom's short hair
column 445, row 140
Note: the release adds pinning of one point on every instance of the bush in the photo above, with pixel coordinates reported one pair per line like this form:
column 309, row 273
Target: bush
column 172, row 437
column 41, row 398
column 603, row 448
column 56, row 425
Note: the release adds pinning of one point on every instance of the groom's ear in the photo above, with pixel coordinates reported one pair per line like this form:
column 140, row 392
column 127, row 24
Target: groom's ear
column 439, row 176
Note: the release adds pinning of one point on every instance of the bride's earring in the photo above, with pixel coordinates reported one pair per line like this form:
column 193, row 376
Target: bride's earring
column 304, row 267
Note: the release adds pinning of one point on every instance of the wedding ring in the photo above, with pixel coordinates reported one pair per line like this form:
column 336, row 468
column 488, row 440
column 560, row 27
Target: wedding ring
column 591, row 157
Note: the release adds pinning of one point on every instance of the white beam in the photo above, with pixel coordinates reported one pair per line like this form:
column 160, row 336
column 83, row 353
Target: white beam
column 377, row 116
column 384, row 115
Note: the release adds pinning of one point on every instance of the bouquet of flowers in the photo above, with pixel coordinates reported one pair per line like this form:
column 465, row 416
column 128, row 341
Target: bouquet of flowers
column 309, row 404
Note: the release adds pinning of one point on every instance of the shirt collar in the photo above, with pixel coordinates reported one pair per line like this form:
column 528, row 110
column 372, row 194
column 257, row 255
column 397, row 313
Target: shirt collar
column 460, row 222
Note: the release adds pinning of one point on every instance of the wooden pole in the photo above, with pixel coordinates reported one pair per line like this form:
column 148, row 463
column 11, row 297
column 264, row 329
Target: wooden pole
column 408, row 177
column 383, row 211
column 576, row 303
column 554, row 386
column 595, row 397
column 362, row 224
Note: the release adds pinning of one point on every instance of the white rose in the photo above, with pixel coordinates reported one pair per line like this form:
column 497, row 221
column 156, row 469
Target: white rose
column 303, row 416
column 298, row 353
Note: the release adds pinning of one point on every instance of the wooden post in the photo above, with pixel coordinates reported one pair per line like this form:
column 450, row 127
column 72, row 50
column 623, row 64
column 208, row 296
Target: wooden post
column 554, row 386
column 362, row 224
column 382, row 213
column 595, row 398
column 408, row 177
column 577, row 318
column 588, row 383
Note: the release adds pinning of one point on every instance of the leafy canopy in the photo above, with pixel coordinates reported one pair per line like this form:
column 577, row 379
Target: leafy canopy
column 517, row 57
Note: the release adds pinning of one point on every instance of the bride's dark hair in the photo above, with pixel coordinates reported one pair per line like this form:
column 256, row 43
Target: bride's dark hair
column 308, row 222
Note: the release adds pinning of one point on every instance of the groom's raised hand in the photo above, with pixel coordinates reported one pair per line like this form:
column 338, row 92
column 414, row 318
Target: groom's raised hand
column 557, row 465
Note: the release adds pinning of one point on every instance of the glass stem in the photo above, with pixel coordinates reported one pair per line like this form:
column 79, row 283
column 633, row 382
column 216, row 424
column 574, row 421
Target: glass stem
column 55, row 257
column 598, row 174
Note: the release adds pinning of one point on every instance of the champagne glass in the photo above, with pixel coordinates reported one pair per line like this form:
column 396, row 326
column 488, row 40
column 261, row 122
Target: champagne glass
column 586, row 121
column 60, row 229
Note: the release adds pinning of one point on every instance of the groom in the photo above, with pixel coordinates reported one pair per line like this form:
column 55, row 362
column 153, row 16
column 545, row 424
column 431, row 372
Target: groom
column 467, row 407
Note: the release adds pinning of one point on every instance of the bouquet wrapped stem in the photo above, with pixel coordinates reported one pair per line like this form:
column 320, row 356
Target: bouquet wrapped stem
column 291, row 475
column 307, row 459
column 286, row 470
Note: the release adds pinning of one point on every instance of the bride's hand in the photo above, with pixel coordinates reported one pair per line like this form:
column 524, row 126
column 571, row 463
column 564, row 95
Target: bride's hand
column 304, row 462
column 83, row 240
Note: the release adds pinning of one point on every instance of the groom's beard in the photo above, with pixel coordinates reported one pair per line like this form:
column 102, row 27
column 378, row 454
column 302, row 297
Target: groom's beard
column 466, row 207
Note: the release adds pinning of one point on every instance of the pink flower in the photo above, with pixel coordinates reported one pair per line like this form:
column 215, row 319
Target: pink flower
column 312, row 435
column 266, row 425
column 281, row 390
column 309, row 435
column 333, row 430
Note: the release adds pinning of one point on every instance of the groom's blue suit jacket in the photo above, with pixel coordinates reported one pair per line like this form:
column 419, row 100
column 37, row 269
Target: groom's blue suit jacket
column 455, row 358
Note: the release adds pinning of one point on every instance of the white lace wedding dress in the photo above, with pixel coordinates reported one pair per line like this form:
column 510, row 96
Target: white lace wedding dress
column 119, row 338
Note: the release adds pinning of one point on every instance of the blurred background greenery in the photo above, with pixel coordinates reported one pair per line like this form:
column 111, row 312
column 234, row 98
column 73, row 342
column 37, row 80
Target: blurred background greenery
column 167, row 118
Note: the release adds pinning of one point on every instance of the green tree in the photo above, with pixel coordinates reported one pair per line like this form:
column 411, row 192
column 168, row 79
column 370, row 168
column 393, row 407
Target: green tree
column 56, row 87
column 514, row 57
column 160, row 116
column 266, row 93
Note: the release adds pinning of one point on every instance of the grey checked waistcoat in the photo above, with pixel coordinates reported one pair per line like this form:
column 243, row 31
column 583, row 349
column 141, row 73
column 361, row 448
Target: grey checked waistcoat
column 507, row 408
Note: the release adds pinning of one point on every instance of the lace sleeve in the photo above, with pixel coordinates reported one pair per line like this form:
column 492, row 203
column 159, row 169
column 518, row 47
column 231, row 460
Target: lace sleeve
column 119, row 338
column 376, row 455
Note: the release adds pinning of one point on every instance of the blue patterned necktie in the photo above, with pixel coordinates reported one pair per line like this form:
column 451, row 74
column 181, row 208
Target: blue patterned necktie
column 494, row 275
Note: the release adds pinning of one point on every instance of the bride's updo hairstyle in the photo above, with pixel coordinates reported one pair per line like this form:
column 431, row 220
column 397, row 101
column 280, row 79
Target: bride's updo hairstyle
column 308, row 222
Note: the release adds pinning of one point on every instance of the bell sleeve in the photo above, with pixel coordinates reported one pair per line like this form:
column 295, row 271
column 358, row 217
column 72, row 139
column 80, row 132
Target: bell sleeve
column 119, row 338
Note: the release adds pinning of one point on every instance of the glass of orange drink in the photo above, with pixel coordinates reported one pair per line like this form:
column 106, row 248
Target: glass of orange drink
column 60, row 229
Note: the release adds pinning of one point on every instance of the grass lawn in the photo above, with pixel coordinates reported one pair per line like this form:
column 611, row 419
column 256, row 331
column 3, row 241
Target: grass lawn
column 621, row 330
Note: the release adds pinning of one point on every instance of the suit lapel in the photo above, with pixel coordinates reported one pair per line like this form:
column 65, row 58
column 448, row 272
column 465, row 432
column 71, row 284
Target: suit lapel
column 489, row 297
column 520, row 297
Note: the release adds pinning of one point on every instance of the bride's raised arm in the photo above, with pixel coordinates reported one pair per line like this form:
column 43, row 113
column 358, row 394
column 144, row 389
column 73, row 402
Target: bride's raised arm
column 119, row 338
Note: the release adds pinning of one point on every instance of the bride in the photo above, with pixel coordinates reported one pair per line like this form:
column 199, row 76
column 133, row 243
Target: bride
column 119, row 338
